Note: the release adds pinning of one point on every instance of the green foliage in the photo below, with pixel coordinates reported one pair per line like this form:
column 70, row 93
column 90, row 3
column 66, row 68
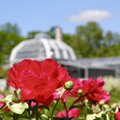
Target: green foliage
column 90, row 41
column 3, row 73
column 5, row 115
column 9, row 38
column 32, row 34
column 115, row 95
column 51, row 32
column 10, row 28
column 112, row 85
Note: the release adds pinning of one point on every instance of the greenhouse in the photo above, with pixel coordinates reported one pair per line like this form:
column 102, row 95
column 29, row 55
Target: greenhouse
column 40, row 48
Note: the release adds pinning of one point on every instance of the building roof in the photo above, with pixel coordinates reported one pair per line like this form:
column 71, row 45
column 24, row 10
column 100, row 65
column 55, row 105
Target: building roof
column 81, row 64
column 42, row 47
column 100, row 61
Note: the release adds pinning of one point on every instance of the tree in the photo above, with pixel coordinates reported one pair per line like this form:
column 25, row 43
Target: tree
column 51, row 32
column 89, row 38
column 108, row 39
column 92, row 33
column 32, row 34
column 9, row 38
column 10, row 28
column 116, row 38
column 76, row 43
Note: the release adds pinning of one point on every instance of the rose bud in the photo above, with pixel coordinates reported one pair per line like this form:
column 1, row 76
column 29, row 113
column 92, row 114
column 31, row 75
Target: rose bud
column 101, row 102
column 45, row 117
column 80, row 92
column 113, row 106
column 69, row 85
column 105, row 106
column 86, row 101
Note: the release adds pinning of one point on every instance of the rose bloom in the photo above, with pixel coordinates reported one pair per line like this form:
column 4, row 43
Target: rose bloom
column 1, row 103
column 73, row 113
column 117, row 114
column 93, row 90
column 37, row 80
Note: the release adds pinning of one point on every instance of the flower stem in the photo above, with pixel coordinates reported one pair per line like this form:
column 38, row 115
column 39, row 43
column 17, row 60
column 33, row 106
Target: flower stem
column 64, row 104
column 15, row 117
column 36, row 110
column 54, row 109
column 107, row 117
column 29, row 110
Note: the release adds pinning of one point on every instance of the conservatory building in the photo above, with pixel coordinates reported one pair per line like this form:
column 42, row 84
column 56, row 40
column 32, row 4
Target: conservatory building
column 42, row 47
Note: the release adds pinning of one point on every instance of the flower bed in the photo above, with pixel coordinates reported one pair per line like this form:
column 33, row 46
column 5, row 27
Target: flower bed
column 45, row 91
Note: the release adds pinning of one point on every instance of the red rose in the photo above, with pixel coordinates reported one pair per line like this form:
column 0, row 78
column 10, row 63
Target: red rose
column 1, row 103
column 93, row 90
column 117, row 115
column 73, row 113
column 96, row 92
column 37, row 80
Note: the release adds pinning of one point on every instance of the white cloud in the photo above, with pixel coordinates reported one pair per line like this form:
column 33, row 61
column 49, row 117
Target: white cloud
column 90, row 15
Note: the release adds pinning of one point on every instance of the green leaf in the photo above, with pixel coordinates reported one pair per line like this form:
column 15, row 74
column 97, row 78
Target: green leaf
column 7, row 98
column 94, row 116
column 18, row 108
column 96, row 109
column 99, row 115
column 44, row 107
column 90, row 117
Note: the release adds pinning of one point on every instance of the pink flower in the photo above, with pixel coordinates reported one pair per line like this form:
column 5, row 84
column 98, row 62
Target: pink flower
column 73, row 113
column 60, row 94
column 117, row 115
column 1, row 103
column 93, row 90
column 98, row 96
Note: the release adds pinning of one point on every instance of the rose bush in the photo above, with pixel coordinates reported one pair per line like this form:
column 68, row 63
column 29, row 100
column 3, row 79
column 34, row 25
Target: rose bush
column 93, row 90
column 46, row 85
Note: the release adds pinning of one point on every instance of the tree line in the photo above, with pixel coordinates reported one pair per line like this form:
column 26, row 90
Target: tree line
column 89, row 40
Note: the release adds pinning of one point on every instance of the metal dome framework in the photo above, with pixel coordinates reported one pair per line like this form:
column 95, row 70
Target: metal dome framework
column 40, row 48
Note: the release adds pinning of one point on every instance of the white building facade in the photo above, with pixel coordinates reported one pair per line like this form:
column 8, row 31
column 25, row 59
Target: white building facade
column 42, row 47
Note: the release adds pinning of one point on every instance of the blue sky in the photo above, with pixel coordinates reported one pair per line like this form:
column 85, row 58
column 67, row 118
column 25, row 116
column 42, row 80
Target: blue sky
column 43, row 14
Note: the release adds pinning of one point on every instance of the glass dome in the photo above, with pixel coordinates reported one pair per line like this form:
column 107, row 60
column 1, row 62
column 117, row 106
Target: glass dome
column 40, row 48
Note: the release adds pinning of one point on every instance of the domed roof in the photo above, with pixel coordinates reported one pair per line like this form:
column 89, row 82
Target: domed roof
column 42, row 47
